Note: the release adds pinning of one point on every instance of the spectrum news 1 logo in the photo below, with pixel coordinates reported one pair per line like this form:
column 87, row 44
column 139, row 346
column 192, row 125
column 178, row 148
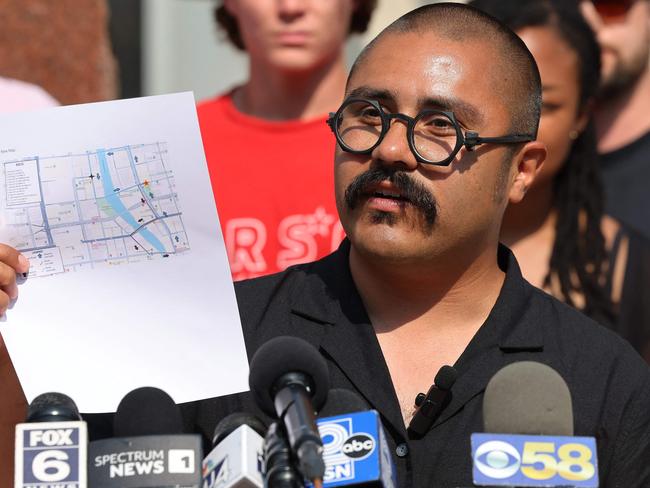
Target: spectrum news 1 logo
column 52, row 457
column 529, row 460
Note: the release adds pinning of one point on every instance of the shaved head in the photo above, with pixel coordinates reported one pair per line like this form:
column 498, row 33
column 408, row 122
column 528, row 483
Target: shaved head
column 516, row 80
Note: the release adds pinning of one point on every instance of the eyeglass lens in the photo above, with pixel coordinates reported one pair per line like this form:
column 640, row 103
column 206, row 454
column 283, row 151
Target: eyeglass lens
column 612, row 10
column 360, row 127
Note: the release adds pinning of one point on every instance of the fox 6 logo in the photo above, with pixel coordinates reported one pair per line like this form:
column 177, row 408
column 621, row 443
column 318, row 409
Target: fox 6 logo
column 51, row 455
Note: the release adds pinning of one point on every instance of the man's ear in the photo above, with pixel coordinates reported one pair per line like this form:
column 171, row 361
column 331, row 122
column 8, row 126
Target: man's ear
column 529, row 161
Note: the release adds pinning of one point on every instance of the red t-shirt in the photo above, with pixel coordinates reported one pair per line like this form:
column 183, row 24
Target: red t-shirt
column 274, row 187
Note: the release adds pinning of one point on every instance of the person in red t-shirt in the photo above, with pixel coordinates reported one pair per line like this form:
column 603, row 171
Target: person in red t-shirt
column 268, row 148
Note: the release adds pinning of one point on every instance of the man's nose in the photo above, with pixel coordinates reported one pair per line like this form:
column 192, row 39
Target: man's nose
column 394, row 148
column 290, row 10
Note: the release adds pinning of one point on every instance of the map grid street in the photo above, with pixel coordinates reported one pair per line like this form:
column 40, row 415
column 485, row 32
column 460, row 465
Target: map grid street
column 102, row 207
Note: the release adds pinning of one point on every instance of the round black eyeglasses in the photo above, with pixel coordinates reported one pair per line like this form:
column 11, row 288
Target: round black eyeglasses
column 434, row 136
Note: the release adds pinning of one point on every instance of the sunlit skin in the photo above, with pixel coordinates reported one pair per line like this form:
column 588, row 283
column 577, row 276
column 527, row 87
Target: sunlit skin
column 416, row 283
column 529, row 226
column 624, row 115
column 296, row 61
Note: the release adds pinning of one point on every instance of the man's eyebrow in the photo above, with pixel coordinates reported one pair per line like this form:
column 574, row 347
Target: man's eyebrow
column 371, row 93
column 464, row 111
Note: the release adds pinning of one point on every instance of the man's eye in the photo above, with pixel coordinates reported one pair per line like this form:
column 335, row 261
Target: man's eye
column 370, row 112
column 436, row 123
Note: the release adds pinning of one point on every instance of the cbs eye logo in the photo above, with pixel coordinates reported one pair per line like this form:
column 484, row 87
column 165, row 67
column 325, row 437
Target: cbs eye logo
column 497, row 459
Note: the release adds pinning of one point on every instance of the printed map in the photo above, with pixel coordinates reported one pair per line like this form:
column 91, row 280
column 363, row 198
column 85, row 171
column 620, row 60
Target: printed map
column 104, row 207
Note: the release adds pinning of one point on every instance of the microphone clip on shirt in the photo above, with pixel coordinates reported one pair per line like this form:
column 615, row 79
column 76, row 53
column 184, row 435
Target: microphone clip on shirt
column 430, row 405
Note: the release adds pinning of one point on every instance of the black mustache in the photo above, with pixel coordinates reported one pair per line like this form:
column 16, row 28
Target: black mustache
column 408, row 187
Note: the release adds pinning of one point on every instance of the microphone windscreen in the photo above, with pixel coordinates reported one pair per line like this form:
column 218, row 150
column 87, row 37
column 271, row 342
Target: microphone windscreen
column 446, row 377
column 341, row 401
column 52, row 407
column 147, row 411
column 528, row 397
column 282, row 355
column 231, row 422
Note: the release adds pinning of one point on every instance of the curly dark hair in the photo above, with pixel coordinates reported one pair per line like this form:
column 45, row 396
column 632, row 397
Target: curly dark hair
column 579, row 260
column 358, row 23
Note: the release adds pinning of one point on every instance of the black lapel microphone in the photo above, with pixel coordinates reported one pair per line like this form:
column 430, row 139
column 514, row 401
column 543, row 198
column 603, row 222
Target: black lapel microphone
column 431, row 405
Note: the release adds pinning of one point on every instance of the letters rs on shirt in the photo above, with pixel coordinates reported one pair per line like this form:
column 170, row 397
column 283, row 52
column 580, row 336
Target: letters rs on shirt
column 300, row 238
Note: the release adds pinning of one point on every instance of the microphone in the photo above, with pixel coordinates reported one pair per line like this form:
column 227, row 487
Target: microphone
column 235, row 459
column 528, row 414
column 289, row 379
column 52, row 446
column 356, row 452
column 151, row 450
column 279, row 470
column 431, row 405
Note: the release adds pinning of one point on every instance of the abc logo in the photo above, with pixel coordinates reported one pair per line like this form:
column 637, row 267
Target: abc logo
column 497, row 459
column 358, row 446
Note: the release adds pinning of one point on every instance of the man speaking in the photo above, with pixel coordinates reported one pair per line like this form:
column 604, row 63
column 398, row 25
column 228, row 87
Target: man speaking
column 436, row 136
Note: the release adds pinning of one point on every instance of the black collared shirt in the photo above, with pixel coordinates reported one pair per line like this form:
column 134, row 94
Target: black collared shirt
column 609, row 382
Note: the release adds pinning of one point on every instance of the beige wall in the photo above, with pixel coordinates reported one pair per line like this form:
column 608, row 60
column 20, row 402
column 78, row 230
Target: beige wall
column 61, row 45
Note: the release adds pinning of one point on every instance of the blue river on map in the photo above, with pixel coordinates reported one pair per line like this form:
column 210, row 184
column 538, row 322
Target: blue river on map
column 117, row 204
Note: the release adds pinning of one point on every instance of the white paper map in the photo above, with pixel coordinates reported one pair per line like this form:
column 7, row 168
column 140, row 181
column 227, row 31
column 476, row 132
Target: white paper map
column 129, row 283
column 99, row 208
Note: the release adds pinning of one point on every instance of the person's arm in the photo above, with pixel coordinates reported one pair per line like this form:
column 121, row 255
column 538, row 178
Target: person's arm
column 13, row 405
column 13, row 408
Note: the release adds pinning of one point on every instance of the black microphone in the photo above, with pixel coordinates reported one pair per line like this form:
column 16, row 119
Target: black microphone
column 289, row 380
column 341, row 401
column 431, row 405
column 279, row 469
column 236, row 457
column 151, row 450
column 52, row 447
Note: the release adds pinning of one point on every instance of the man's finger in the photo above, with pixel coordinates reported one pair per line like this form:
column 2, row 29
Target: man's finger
column 8, row 281
column 13, row 258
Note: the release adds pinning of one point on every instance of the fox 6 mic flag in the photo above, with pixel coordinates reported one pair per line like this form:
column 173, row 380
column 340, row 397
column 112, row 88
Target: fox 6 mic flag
column 51, row 454
column 534, row 460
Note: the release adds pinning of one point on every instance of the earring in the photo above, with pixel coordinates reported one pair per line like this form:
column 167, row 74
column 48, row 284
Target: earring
column 573, row 135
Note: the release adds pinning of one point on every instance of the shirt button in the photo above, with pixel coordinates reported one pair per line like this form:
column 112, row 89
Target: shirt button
column 402, row 450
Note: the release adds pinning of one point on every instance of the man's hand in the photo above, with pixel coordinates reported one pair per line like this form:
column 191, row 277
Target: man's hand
column 11, row 262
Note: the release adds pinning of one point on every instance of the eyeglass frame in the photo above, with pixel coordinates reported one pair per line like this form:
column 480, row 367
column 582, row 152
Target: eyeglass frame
column 469, row 140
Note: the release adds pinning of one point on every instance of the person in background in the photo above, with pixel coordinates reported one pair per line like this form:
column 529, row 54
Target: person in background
column 16, row 96
column 622, row 28
column 266, row 142
column 559, row 233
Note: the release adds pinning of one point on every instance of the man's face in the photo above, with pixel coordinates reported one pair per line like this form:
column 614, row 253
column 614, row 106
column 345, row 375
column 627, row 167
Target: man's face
column 624, row 40
column 408, row 73
column 292, row 35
